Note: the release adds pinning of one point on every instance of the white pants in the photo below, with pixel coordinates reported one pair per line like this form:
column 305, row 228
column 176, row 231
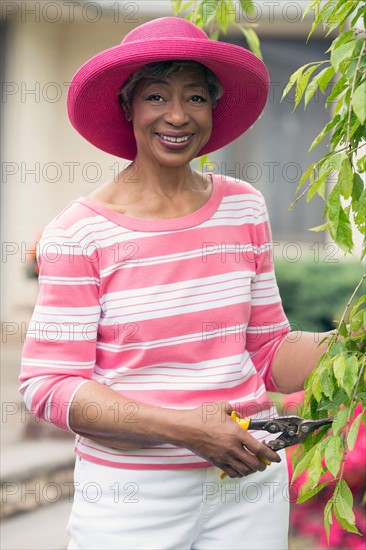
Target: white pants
column 178, row 509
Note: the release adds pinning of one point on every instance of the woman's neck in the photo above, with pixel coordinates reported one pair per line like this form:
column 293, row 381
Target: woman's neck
column 164, row 181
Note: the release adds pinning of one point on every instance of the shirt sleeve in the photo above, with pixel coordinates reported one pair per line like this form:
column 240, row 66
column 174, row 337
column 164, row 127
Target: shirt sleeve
column 268, row 325
column 60, row 347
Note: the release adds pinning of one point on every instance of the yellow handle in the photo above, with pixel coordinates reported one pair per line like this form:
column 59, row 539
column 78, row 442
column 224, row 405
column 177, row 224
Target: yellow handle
column 245, row 423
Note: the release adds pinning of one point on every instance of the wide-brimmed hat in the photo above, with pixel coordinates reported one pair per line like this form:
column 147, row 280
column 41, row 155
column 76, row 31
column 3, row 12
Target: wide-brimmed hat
column 93, row 98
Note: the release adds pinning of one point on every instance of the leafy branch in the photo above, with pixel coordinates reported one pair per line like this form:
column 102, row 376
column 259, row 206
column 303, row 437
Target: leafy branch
column 346, row 68
column 337, row 386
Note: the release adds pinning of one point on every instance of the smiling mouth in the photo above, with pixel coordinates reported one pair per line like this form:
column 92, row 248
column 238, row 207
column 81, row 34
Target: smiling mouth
column 172, row 139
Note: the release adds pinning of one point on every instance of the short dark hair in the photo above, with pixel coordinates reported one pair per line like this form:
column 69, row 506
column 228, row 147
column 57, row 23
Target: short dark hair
column 163, row 69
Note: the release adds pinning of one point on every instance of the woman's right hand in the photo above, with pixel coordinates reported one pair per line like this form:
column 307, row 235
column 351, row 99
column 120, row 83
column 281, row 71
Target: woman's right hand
column 207, row 430
column 210, row 432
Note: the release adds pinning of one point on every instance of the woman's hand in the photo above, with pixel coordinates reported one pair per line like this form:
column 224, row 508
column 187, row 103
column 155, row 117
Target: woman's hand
column 210, row 432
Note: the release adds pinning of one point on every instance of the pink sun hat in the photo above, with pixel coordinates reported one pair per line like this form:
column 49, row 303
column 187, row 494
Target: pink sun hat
column 93, row 98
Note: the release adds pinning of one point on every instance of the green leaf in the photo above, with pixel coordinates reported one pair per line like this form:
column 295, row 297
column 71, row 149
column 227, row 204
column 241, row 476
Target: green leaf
column 340, row 54
column 311, row 6
column 354, row 127
column 361, row 164
column 350, row 375
column 303, row 464
column 302, row 83
column 315, row 467
column 350, row 72
column 359, row 102
column 344, row 503
column 306, row 495
column 344, row 232
column 332, row 210
column 345, row 524
column 335, row 160
column 338, row 88
column 345, row 179
column 357, row 305
column 339, row 368
column 339, row 14
column 206, row 11
column 339, row 421
column 328, row 519
column 214, row 35
column 316, row 386
column 336, row 348
column 247, row 6
column 360, row 213
column 175, row 5
column 341, row 39
column 293, row 78
column 325, row 78
column 327, row 383
column 340, row 108
column 319, row 185
column 305, row 176
column 253, row 40
column 357, row 321
column 185, row 6
column 329, row 11
column 310, row 91
column 319, row 227
column 229, row 11
column 333, row 454
column 360, row 12
column 353, row 433
column 204, row 161
column 324, row 131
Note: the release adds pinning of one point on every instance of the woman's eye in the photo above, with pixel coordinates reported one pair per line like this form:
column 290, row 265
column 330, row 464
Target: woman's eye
column 155, row 98
column 198, row 99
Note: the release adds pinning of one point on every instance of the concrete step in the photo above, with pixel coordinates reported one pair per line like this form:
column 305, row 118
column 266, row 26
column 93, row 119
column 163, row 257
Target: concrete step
column 35, row 473
column 41, row 529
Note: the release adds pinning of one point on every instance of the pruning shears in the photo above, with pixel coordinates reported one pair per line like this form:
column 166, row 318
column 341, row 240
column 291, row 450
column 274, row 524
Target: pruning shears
column 293, row 430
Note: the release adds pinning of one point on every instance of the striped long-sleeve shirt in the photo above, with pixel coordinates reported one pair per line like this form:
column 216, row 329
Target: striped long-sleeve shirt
column 170, row 312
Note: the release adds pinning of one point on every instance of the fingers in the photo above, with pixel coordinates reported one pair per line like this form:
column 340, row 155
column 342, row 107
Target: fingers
column 244, row 463
column 258, row 448
column 239, row 468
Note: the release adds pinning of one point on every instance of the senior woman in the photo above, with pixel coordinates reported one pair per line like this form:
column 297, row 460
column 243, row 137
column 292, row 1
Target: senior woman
column 160, row 289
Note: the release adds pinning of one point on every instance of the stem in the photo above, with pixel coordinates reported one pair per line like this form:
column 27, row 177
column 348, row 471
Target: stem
column 351, row 96
column 302, row 194
column 336, row 331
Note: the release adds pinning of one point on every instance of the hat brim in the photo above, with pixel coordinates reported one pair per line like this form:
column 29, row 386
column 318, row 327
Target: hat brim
column 95, row 112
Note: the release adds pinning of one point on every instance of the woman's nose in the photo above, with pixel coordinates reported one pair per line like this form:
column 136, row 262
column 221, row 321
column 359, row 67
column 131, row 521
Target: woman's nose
column 176, row 113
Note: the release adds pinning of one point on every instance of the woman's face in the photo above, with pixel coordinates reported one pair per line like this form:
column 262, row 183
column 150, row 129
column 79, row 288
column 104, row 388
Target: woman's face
column 172, row 118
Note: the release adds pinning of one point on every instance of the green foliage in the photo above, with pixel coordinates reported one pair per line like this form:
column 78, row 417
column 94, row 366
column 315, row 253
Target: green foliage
column 337, row 386
column 215, row 16
column 315, row 289
column 346, row 66
column 335, row 389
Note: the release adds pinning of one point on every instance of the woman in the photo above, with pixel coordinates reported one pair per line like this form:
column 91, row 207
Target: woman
column 159, row 313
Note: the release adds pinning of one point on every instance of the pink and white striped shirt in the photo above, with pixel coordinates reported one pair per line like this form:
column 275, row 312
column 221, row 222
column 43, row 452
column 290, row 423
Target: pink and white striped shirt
column 171, row 312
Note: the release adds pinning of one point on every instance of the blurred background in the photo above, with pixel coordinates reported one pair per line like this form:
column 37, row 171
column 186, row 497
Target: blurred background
column 45, row 164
